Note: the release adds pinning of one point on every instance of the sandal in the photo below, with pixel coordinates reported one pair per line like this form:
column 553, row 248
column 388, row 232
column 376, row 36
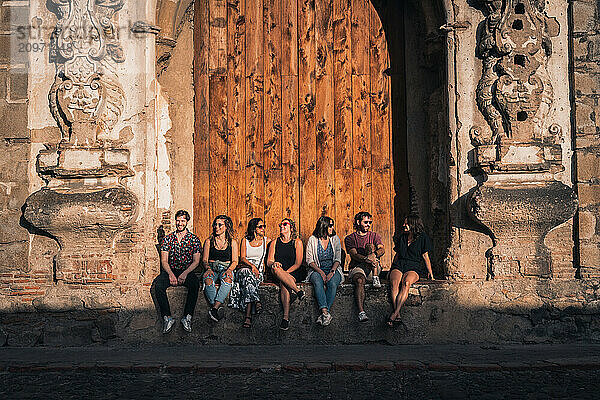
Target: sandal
column 258, row 308
column 247, row 323
column 392, row 321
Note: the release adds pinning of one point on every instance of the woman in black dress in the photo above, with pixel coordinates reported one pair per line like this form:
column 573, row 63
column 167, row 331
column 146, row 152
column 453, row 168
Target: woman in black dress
column 285, row 257
column 412, row 251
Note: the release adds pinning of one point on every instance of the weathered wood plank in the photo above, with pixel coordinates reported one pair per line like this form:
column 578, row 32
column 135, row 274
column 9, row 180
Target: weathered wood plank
column 289, row 38
column 217, row 56
column 344, row 203
column 254, row 37
column 236, row 83
column 289, row 148
column 218, row 146
column 342, row 63
column 201, row 86
column 201, row 224
column 380, row 96
column 323, row 38
column 273, row 201
column 361, row 122
column 360, row 36
column 308, row 201
column 272, row 114
column 254, row 147
column 306, row 117
column 382, row 211
column 236, row 200
column 325, row 143
column 201, row 213
column 362, row 190
column 255, row 192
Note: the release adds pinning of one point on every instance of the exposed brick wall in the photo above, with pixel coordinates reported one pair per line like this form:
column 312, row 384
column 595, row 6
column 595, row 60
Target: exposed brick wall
column 14, row 148
column 585, row 26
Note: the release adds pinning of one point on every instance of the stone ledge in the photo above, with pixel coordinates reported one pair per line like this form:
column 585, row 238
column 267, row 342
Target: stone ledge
column 499, row 311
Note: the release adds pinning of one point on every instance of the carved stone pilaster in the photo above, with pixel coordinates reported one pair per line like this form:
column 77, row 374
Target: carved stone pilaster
column 84, row 204
column 514, row 95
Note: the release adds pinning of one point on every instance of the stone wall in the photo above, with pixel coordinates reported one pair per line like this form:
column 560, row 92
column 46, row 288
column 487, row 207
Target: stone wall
column 514, row 311
column 71, row 282
column 15, row 144
column 585, row 17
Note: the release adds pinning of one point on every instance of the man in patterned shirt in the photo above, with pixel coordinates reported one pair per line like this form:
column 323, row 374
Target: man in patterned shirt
column 180, row 254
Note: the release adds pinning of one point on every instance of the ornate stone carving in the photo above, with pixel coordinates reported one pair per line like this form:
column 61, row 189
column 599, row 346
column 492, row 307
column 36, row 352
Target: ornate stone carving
column 514, row 93
column 83, row 204
column 519, row 217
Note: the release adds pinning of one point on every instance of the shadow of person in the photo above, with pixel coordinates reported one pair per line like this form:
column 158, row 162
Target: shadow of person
column 160, row 235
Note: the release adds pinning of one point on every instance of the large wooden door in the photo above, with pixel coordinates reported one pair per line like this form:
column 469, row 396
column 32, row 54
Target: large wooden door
column 292, row 114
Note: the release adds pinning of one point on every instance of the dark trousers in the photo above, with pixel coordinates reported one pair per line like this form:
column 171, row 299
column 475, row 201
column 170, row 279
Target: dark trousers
column 161, row 283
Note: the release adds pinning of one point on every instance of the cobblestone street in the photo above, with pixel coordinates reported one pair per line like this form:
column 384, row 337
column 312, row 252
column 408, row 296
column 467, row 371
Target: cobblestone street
column 302, row 372
column 558, row 384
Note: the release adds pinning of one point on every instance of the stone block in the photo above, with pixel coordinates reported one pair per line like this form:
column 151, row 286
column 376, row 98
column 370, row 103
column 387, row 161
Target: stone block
column 5, row 49
column 14, row 120
column 587, row 225
column 584, row 16
column 588, row 165
column 586, row 83
column 13, row 256
column 589, row 195
column 17, row 85
column 589, row 254
column 585, row 115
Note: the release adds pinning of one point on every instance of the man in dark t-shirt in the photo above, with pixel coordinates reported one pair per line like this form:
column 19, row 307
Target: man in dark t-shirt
column 180, row 254
column 365, row 249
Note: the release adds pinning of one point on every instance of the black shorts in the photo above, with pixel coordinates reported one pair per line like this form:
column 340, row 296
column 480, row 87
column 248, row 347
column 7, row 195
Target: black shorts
column 420, row 270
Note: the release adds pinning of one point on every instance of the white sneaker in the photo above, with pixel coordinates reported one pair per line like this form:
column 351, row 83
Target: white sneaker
column 168, row 324
column 320, row 319
column 187, row 323
column 362, row 316
column 376, row 282
column 326, row 319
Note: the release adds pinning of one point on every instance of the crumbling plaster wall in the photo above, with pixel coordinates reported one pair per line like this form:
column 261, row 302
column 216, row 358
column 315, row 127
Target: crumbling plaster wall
column 177, row 89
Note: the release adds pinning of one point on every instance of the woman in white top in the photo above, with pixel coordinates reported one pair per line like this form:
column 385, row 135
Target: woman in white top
column 250, row 273
column 324, row 257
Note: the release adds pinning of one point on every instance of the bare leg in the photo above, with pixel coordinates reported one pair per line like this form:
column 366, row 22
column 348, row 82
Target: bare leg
column 248, row 310
column 286, row 279
column 284, row 294
column 408, row 279
column 395, row 279
column 359, row 291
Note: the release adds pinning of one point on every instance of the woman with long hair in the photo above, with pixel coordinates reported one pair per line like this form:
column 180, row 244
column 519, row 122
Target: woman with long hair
column 412, row 251
column 285, row 258
column 250, row 272
column 220, row 259
column 324, row 257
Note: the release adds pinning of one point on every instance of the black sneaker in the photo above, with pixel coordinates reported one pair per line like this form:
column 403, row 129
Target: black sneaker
column 300, row 295
column 293, row 297
column 214, row 314
column 285, row 324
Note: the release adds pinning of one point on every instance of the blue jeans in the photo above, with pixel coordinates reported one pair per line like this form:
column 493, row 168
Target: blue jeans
column 325, row 294
column 225, row 279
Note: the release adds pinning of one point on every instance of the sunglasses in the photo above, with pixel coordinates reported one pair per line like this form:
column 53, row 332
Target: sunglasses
column 260, row 226
column 284, row 224
column 218, row 224
column 367, row 222
column 331, row 225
